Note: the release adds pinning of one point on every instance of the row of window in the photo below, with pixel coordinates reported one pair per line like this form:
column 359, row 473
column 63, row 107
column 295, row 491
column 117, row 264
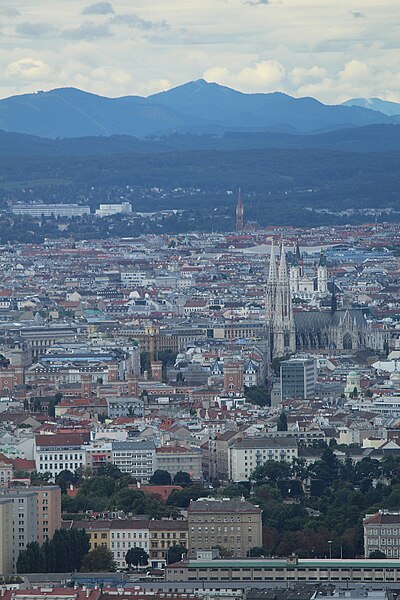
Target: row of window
column 219, row 529
column 63, row 456
column 219, row 518
column 58, row 467
column 127, row 535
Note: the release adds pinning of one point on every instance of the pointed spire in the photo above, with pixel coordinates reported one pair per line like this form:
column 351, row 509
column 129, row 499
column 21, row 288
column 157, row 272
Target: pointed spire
column 322, row 259
column 297, row 250
column 272, row 274
column 333, row 298
column 283, row 264
column 240, row 202
column 295, row 258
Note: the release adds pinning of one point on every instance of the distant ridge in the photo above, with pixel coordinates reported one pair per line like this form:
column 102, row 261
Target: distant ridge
column 370, row 138
column 390, row 109
column 195, row 107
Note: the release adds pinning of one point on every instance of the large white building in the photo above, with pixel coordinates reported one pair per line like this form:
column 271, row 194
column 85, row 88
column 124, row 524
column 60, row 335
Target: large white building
column 51, row 210
column 136, row 458
column 54, row 453
column 106, row 210
column 179, row 458
column 245, row 456
column 126, row 534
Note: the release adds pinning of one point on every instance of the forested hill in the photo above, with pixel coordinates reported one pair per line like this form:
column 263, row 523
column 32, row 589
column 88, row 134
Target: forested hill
column 371, row 138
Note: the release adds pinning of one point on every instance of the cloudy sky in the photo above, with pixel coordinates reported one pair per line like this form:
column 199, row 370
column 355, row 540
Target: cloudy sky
column 330, row 49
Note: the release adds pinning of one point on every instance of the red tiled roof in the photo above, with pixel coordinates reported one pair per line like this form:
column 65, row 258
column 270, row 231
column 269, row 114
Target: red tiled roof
column 23, row 464
column 60, row 439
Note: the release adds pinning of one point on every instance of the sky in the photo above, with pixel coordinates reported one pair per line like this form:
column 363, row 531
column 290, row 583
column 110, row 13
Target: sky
column 329, row 49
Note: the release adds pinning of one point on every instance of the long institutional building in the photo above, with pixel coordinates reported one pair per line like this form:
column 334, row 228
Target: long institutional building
column 285, row 570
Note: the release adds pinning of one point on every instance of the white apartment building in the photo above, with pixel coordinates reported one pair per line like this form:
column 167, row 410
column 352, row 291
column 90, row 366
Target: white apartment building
column 245, row 456
column 51, row 210
column 106, row 210
column 54, row 453
column 133, row 278
column 179, row 458
column 126, row 534
column 136, row 458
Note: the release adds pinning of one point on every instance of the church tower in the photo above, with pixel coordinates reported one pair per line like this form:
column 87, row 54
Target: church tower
column 295, row 272
column 239, row 214
column 322, row 275
column 279, row 311
column 272, row 283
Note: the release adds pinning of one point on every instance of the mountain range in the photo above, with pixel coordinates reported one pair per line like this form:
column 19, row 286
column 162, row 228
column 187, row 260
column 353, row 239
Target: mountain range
column 197, row 107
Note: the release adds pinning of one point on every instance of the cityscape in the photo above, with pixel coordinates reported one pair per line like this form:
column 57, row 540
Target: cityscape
column 199, row 300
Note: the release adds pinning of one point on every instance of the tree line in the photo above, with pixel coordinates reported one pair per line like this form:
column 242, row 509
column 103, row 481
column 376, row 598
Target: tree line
column 64, row 552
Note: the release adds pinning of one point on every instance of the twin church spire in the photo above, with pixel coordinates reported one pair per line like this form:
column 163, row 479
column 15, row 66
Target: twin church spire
column 279, row 310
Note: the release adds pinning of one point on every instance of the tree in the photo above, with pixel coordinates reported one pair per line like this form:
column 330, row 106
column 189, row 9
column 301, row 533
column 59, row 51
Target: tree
column 136, row 556
column 224, row 552
column 256, row 552
column 182, row 478
column 272, row 470
column 110, row 470
column 282, row 422
column 66, row 478
column 160, row 477
column 99, row 560
column 377, row 554
column 258, row 394
column 40, row 478
column 51, row 411
column 175, row 553
column 65, row 551
column 183, row 497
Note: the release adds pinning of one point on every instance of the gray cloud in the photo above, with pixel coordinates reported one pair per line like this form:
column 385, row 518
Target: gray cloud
column 257, row 2
column 357, row 14
column 10, row 12
column 87, row 31
column 138, row 22
column 99, row 8
column 34, row 29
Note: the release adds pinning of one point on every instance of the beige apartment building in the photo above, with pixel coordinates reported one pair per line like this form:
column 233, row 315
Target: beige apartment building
column 6, row 536
column 234, row 525
column 49, row 511
column 6, row 470
column 163, row 535
column 382, row 532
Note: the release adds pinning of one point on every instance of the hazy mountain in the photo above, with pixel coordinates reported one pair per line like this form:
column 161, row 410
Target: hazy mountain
column 196, row 107
column 69, row 112
column 371, row 138
column 237, row 110
column 383, row 106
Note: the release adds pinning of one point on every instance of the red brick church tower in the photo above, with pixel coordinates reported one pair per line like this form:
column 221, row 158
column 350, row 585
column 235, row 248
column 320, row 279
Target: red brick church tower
column 239, row 214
